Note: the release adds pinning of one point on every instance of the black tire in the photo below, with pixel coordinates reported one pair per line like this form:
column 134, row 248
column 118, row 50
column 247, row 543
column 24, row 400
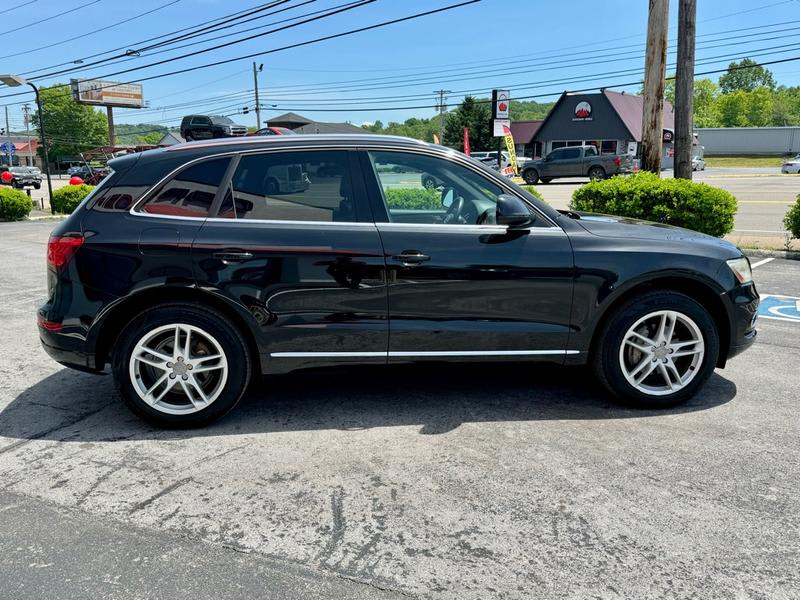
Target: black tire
column 188, row 137
column 547, row 179
column 217, row 325
column 531, row 176
column 37, row 186
column 428, row 182
column 605, row 360
column 597, row 173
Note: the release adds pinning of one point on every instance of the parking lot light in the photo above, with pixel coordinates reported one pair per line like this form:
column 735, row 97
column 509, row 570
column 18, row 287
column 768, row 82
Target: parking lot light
column 16, row 81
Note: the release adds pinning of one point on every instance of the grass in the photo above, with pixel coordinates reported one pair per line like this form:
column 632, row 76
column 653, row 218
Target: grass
column 744, row 160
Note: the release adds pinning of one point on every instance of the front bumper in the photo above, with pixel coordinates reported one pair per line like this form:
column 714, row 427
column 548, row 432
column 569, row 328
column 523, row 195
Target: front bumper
column 742, row 303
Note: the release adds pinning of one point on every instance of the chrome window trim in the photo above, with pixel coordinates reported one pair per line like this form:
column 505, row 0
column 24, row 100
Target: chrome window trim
column 460, row 228
column 357, row 145
column 403, row 354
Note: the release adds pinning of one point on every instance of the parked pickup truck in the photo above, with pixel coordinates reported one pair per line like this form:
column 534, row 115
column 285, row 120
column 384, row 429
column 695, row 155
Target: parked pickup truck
column 577, row 161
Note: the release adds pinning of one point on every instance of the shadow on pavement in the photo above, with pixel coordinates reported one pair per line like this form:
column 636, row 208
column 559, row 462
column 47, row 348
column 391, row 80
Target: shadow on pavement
column 76, row 407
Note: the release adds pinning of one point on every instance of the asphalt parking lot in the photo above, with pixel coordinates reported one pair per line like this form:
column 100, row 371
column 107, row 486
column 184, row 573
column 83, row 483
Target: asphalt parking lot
column 429, row 482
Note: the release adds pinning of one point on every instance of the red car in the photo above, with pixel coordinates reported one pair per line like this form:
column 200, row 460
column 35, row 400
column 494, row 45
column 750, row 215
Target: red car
column 273, row 131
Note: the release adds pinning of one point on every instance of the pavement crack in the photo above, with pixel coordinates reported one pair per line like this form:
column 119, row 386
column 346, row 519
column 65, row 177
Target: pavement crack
column 170, row 488
column 339, row 523
column 372, row 585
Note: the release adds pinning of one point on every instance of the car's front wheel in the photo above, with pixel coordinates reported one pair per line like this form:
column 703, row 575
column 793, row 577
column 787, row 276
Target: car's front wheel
column 531, row 176
column 657, row 350
column 181, row 365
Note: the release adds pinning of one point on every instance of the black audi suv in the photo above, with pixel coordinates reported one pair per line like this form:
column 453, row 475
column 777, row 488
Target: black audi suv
column 194, row 269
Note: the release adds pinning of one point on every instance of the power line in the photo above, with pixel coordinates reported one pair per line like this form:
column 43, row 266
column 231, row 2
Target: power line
column 85, row 33
column 50, row 18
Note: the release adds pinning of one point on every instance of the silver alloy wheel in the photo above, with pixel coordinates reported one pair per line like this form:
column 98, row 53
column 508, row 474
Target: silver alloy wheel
column 178, row 369
column 661, row 352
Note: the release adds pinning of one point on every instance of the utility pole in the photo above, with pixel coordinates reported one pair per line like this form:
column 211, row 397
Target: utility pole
column 684, row 88
column 441, row 106
column 256, row 71
column 655, row 64
column 112, row 137
column 8, row 133
column 26, row 115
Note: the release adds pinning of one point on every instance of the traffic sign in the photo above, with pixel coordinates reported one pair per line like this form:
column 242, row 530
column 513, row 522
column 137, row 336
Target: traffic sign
column 780, row 308
column 4, row 148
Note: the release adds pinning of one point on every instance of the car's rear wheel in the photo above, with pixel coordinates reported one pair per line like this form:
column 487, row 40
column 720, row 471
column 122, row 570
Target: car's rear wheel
column 189, row 137
column 657, row 350
column 597, row 173
column 181, row 365
column 531, row 176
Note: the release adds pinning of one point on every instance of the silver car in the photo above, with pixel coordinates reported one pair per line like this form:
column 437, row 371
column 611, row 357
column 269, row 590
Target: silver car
column 791, row 166
column 698, row 164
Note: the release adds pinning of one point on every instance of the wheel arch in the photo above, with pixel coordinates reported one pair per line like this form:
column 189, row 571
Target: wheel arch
column 111, row 324
column 696, row 289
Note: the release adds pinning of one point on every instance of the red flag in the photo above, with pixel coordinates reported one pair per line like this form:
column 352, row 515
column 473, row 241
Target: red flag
column 466, row 141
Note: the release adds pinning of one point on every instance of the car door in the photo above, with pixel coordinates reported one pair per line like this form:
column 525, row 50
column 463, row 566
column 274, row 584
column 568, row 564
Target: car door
column 458, row 284
column 568, row 163
column 201, row 128
column 304, row 260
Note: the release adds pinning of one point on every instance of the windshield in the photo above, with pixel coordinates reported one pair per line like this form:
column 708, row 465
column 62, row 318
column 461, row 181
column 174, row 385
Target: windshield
column 222, row 120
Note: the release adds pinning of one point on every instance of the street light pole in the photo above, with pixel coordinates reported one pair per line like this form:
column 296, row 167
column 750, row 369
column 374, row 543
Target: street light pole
column 258, row 104
column 44, row 146
column 15, row 81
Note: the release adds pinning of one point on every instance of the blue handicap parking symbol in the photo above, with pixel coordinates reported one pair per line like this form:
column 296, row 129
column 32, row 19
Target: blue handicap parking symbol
column 783, row 308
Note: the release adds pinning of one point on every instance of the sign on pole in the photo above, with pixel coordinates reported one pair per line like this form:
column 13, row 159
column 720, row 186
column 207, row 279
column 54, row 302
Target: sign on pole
column 501, row 101
column 99, row 92
column 8, row 148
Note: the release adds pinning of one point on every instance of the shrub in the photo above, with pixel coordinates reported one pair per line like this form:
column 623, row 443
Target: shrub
column 67, row 198
column 678, row 202
column 532, row 190
column 414, row 199
column 792, row 219
column 14, row 204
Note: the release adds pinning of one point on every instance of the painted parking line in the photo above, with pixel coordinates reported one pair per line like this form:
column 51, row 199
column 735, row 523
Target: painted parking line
column 761, row 262
column 779, row 308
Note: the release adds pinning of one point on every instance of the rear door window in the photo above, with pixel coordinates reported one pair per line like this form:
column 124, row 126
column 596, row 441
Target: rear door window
column 191, row 192
column 291, row 186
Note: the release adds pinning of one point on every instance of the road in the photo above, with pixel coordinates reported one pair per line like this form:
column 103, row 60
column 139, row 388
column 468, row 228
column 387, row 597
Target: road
column 427, row 482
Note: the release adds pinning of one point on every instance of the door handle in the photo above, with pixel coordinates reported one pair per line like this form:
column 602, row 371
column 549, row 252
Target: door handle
column 411, row 257
column 231, row 256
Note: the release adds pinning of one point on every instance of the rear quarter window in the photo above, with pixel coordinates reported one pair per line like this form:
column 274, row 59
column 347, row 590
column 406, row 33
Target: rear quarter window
column 191, row 192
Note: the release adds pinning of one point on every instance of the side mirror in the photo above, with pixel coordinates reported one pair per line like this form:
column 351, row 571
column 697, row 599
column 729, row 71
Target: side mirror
column 513, row 212
column 448, row 194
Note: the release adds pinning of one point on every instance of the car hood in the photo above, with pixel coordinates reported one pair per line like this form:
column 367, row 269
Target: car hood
column 611, row 226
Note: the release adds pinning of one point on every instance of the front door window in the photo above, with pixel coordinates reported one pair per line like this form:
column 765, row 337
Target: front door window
column 423, row 189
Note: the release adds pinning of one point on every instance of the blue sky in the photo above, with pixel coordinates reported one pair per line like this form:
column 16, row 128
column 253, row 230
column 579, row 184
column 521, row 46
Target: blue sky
column 533, row 47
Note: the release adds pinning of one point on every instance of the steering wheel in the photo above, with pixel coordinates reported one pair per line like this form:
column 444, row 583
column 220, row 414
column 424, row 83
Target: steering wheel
column 453, row 214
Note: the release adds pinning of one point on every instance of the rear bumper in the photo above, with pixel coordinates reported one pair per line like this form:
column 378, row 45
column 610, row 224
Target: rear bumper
column 66, row 348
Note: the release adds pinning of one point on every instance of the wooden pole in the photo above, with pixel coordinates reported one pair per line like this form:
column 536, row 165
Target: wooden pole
column 655, row 64
column 684, row 88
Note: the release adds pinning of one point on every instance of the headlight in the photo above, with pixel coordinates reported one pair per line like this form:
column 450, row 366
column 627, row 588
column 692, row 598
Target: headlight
column 741, row 269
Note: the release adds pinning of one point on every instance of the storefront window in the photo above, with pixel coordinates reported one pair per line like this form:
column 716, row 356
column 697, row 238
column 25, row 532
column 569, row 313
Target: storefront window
column 609, row 147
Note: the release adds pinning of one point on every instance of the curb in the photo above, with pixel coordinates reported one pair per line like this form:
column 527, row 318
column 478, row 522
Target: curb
column 786, row 254
column 48, row 218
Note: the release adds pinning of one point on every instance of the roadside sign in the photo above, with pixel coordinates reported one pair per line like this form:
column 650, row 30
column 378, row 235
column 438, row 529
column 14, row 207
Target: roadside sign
column 512, row 153
column 500, row 104
column 6, row 149
column 780, row 308
column 497, row 128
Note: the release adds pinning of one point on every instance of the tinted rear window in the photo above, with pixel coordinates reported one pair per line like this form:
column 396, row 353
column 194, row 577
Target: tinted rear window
column 191, row 192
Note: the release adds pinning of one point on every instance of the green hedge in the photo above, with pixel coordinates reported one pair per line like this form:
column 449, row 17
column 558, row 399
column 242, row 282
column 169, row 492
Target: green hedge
column 67, row 198
column 678, row 202
column 14, row 204
column 792, row 219
column 413, row 199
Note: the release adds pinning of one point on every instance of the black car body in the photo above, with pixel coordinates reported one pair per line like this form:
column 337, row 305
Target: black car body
column 206, row 127
column 24, row 177
column 347, row 271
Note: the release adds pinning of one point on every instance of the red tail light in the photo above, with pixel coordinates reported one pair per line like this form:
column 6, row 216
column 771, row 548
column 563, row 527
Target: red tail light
column 61, row 248
column 617, row 161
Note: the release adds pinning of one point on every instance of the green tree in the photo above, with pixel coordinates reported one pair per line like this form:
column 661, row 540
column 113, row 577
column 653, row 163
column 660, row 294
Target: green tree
column 733, row 109
column 760, row 107
column 70, row 127
column 474, row 115
column 786, row 106
column 706, row 110
column 746, row 75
